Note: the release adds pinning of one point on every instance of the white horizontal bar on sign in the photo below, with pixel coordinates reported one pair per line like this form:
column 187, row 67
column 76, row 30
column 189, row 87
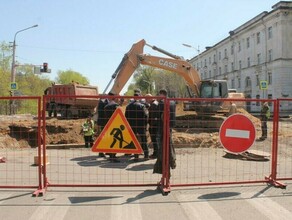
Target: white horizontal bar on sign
column 237, row 133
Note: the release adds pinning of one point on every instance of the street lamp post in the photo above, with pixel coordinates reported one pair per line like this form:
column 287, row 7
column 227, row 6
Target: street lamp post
column 13, row 55
column 197, row 49
column 12, row 103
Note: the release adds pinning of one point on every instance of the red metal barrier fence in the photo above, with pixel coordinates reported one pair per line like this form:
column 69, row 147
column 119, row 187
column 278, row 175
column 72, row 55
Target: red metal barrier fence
column 200, row 157
column 284, row 140
column 71, row 164
column 202, row 160
column 20, row 145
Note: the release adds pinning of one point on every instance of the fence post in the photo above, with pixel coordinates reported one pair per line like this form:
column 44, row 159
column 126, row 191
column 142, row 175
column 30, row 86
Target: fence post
column 272, row 179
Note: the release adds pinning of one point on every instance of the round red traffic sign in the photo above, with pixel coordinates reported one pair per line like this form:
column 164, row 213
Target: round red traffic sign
column 237, row 133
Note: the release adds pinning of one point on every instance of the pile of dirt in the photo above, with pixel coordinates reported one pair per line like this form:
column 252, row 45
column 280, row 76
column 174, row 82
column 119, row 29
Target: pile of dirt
column 21, row 131
column 64, row 131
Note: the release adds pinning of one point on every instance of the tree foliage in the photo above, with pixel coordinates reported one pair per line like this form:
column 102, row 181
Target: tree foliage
column 68, row 76
column 29, row 84
column 151, row 80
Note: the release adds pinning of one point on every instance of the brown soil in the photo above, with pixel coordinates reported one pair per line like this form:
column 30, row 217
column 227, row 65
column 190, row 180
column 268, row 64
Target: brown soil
column 21, row 132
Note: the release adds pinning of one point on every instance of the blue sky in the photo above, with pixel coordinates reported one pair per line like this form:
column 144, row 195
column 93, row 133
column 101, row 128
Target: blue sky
column 92, row 36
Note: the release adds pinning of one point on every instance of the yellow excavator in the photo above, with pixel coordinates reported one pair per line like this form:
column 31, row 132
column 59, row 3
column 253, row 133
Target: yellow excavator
column 176, row 64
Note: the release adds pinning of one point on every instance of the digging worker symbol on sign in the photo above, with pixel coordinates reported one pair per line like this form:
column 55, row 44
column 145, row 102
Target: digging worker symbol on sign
column 117, row 134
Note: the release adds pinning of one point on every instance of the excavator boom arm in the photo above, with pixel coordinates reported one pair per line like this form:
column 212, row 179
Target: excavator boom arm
column 180, row 67
column 135, row 57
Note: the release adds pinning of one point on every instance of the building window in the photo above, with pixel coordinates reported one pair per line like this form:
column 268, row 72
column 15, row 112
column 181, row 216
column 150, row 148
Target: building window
column 239, row 82
column 232, row 49
column 232, row 66
column 239, row 46
column 270, row 96
column 209, row 60
column 248, row 62
column 259, row 58
column 205, row 62
column 270, row 55
column 214, row 58
column 270, row 78
column 210, row 75
column 258, row 37
column 239, row 63
column 232, row 83
column 258, row 80
column 226, row 68
column 270, row 33
column 247, row 82
column 258, row 97
column 220, row 71
column 247, row 43
column 219, row 55
column 225, row 53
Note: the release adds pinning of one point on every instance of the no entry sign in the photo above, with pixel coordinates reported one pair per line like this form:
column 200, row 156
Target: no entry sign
column 237, row 133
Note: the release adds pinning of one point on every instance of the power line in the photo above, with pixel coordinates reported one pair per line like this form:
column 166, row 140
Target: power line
column 69, row 49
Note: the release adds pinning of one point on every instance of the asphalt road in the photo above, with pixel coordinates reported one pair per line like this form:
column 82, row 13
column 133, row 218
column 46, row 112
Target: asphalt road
column 230, row 202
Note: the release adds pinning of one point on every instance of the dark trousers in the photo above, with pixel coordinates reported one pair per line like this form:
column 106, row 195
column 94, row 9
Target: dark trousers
column 153, row 135
column 264, row 128
column 88, row 141
column 141, row 133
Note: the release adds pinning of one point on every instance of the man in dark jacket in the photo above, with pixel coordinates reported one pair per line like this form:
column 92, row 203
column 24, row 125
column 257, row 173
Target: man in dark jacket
column 109, row 110
column 136, row 114
column 154, row 115
column 101, row 120
column 172, row 156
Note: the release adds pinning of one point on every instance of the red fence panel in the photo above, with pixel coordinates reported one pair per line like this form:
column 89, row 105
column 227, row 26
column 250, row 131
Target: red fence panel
column 201, row 158
column 284, row 140
column 70, row 163
column 20, row 146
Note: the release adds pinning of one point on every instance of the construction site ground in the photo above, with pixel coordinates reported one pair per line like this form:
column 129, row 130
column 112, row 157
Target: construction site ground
column 15, row 130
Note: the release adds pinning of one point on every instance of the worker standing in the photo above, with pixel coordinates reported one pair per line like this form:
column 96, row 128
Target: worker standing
column 161, row 124
column 88, row 132
column 265, row 115
column 137, row 116
column 109, row 110
column 153, row 111
column 101, row 119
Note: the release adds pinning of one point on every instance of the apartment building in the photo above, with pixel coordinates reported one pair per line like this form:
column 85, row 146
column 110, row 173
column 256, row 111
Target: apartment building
column 255, row 58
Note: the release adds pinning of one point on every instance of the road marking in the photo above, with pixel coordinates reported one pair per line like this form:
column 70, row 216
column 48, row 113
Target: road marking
column 121, row 210
column 237, row 133
column 269, row 208
column 199, row 209
column 48, row 211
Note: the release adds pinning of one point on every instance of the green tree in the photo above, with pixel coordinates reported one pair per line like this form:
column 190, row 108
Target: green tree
column 151, row 80
column 144, row 78
column 5, row 67
column 69, row 76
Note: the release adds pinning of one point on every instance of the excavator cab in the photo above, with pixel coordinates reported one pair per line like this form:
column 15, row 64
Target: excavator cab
column 214, row 89
column 209, row 89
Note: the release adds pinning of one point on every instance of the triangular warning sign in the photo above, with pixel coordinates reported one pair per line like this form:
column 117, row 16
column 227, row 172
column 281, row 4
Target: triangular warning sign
column 117, row 137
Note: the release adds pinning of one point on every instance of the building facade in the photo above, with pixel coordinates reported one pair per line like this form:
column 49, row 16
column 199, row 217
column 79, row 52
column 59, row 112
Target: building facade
column 256, row 58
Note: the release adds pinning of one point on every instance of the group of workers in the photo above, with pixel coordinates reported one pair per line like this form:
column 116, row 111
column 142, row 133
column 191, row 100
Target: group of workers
column 145, row 116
